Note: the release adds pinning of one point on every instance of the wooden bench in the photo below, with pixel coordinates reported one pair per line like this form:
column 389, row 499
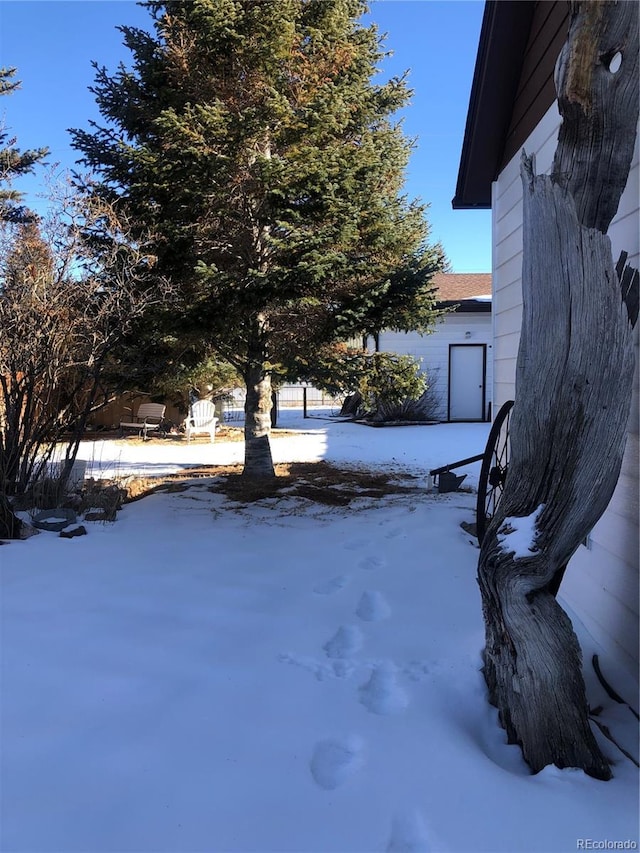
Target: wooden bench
column 148, row 418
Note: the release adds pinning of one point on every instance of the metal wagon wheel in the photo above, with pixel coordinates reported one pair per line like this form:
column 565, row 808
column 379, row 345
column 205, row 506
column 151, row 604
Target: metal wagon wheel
column 495, row 465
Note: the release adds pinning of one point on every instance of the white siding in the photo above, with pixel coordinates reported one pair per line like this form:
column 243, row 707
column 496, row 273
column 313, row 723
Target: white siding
column 433, row 349
column 601, row 583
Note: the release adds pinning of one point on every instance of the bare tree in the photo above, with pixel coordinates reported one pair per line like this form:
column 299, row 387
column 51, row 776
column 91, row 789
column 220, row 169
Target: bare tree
column 13, row 163
column 66, row 301
column 573, row 391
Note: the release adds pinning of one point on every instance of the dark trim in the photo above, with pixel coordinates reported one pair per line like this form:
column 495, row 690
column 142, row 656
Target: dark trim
column 512, row 89
column 536, row 90
column 503, row 40
column 484, row 384
column 467, row 306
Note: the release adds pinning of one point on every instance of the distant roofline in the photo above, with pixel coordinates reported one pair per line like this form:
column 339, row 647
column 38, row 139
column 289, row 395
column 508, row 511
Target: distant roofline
column 455, row 288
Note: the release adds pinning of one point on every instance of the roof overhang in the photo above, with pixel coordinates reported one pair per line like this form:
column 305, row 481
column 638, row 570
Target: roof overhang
column 503, row 40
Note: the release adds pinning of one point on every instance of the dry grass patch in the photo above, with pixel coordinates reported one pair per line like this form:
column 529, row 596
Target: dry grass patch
column 320, row 482
column 223, row 434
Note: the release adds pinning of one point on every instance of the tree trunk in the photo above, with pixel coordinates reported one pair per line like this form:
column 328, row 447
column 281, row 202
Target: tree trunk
column 257, row 425
column 351, row 405
column 10, row 525
column 573, row 391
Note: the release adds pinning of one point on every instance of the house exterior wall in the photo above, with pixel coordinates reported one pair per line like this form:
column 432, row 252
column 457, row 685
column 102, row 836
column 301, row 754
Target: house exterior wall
column 433, row 349
column 601, row 583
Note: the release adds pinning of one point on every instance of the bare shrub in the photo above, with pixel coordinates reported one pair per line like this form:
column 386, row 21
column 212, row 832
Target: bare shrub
column 67, row 300
column 104, row 496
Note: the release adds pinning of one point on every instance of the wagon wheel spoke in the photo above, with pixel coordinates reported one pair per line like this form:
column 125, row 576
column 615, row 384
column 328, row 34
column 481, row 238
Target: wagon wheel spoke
column 495, row 466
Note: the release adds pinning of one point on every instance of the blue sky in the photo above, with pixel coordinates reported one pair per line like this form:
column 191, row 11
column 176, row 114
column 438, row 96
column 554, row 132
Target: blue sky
column 52, row 44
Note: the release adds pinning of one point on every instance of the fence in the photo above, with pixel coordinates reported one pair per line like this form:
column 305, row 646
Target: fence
column 295, row 395
column 288, row 397
column 232, row 409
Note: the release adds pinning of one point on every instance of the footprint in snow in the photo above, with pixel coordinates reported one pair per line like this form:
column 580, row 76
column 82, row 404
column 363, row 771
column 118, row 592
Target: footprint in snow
column 322, row 670
column 334, row 760
column 372, row 562
column 345, row 642
column 332, row 585
column 356, row 544
column 417, row 670
column 372, row 607
column 393, row 534
column 342, row 668
column 408, row 833
column 381, row 694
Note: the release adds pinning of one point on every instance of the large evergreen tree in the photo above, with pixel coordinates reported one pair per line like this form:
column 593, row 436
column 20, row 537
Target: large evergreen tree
column 250, row 135
column 13, row 162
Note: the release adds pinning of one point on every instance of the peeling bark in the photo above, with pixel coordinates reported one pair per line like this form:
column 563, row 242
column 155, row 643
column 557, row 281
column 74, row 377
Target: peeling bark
column 573, row 392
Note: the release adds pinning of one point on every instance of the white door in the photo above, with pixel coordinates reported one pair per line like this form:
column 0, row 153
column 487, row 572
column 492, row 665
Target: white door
column 467, row 363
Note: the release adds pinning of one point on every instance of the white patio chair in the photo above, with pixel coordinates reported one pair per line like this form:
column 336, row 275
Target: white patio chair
column 202, row 419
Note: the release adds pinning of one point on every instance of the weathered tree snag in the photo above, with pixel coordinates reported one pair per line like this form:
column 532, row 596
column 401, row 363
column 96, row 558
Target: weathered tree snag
column 573, row 392
column 597, row 83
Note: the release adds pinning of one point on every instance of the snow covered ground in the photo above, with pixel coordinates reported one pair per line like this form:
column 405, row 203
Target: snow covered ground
column 284, row 676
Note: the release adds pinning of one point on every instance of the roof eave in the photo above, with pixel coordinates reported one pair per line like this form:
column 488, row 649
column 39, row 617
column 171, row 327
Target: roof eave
column 503, row 40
